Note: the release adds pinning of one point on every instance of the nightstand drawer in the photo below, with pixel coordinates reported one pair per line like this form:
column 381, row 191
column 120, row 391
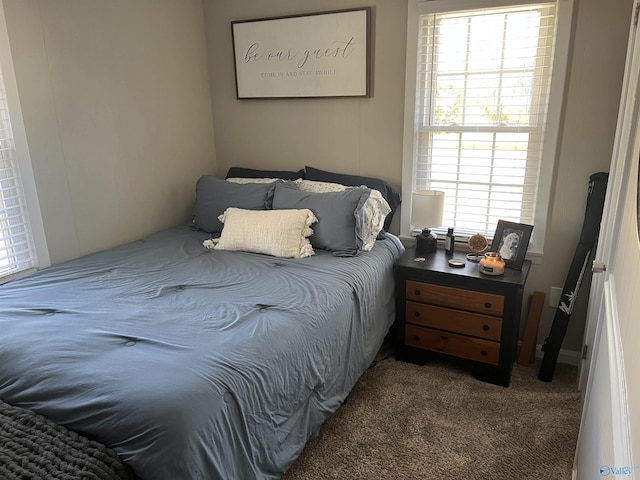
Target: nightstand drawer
column 458, row 321
column 480, row 302
column 452, row 344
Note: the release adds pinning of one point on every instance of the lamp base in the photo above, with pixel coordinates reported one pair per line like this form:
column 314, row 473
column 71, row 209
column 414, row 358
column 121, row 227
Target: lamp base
column 426, row 242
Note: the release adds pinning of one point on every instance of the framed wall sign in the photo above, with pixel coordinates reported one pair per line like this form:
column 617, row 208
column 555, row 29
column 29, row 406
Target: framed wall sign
column 325, row 54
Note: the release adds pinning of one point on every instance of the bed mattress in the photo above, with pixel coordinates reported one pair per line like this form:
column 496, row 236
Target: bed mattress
column 193, row 363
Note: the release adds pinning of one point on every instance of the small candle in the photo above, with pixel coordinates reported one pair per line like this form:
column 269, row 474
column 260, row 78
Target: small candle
column 492, row 264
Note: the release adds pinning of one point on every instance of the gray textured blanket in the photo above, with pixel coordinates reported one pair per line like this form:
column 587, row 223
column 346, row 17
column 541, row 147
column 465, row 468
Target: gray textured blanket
column 32, row 447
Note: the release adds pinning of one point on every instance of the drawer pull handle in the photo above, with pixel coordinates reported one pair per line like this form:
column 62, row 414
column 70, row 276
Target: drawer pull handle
column 485, row 328
column 416, row 314
column 487, row 305
column 416, row 293
column 416, row 338
column 483, row 353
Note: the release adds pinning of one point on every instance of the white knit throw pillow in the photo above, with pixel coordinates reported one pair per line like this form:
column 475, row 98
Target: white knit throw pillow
column 281, row 233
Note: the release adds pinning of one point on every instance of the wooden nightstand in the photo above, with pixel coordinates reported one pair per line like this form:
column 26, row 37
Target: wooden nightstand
column 458, row 313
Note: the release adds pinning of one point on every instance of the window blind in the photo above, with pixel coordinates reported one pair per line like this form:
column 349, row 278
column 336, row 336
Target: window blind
column 16, row 247
column 483, row 81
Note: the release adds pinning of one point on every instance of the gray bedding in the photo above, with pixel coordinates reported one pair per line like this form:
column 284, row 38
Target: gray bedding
column 193, row 363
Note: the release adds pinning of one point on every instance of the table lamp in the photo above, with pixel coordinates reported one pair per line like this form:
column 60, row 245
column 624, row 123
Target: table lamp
column 426, row 212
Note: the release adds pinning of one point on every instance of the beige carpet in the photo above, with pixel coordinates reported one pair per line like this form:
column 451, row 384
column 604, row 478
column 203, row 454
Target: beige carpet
column 404, row 421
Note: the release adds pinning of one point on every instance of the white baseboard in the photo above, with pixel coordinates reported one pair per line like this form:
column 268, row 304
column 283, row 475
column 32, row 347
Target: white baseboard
column 570, row 357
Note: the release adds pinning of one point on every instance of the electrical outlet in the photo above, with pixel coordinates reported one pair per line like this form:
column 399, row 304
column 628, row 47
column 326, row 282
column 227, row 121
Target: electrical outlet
column 555, row 294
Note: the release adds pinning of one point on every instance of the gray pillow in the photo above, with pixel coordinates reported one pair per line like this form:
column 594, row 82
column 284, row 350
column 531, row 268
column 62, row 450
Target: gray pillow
column 336, row 213
column 214, row 196
column 390, row 194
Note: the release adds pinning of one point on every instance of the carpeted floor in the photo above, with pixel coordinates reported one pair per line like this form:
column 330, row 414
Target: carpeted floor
column 404, row 421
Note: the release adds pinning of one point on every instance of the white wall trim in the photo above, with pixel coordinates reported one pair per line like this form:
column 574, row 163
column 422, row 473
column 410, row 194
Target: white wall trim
column 570, row 357
column 619, row 400
column 23, row 157
column 604, row 442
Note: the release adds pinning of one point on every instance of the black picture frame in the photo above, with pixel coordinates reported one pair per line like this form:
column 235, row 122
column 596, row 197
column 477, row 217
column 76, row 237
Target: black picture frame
column 511, row 241
column 320, row 54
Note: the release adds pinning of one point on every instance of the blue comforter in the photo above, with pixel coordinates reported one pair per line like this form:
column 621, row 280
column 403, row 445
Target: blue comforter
column 191, row 363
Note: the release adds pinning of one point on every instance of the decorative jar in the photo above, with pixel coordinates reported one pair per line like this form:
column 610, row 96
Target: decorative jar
column 492, row 264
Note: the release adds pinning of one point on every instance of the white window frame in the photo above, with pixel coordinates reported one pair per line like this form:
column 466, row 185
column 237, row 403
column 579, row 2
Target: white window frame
column 23, row 159
column 550, row 149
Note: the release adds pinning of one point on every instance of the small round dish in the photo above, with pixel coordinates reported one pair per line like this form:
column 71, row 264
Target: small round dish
column 456, row 263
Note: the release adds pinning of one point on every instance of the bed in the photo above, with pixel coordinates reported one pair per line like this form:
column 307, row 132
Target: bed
column 193, row 362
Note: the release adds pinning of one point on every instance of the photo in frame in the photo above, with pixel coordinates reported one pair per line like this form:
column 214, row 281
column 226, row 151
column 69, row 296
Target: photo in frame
column 324, row 54
column 511, row 241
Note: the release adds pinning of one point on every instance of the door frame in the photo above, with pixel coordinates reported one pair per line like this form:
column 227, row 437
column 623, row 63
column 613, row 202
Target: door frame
column 622, row 156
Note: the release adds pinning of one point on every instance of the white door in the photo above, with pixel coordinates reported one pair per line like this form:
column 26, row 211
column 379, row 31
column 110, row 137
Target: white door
column 609, row 439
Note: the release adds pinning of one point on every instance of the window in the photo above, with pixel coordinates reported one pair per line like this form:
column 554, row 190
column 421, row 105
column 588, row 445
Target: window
column 21, row 227
column 16, row 247
column 480, row 110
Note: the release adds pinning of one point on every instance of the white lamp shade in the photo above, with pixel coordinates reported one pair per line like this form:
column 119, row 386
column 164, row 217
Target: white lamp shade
column 427, row 207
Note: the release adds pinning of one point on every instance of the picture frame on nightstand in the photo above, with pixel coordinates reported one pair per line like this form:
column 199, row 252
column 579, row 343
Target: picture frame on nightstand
column 511, row 241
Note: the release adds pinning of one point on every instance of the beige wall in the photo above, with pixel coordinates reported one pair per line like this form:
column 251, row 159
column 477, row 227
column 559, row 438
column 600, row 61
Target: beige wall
column 116, row 104
column 354, row 135
column 364, row 136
